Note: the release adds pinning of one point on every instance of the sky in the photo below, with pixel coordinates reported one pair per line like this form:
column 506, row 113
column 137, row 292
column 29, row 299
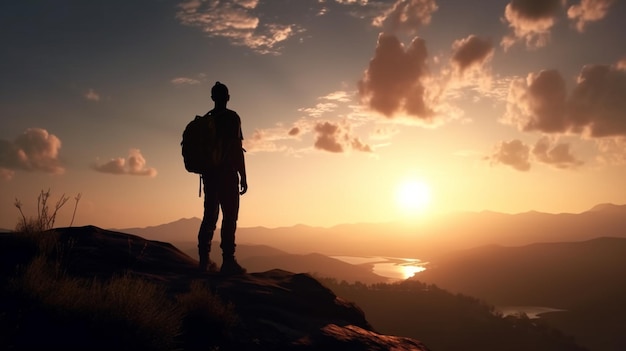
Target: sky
column 507, row 106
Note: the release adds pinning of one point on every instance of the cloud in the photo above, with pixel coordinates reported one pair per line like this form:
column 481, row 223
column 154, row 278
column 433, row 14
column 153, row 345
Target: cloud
column 512, row 153
column 134, row 164
column 328, row 136
column 295, row 131
column 406, row 16
column 34, row 150
column 392, row 84
column 471, row 53
column 596, row 106
column 330, row 102
column 235, row 20
column 531, row 21
column 267, row 140
column 336, row 104
column 518, row 155
column 336, row 138
column 598, row 103
column 558, row 155
column 178, row 81
column 92, row 95
column 538, row 103
column 612, row 150
column 6, row 174
column 588, row 11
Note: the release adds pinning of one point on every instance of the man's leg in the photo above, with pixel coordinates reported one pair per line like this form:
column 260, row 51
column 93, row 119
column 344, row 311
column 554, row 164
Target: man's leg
column 207, row 227
column 229, row 200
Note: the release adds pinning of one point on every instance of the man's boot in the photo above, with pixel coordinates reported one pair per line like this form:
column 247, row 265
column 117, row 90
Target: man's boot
column 230, row 266
column 205, row 264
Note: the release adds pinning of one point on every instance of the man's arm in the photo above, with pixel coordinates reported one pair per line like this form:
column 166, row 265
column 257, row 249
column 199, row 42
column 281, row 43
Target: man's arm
column 240, row 164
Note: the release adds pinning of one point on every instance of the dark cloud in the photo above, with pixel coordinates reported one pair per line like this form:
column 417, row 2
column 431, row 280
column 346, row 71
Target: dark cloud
column 512, row 153
column 134, row 164
column 471, row 52
column 588, row 11
column 558, row 155
column 539, row 102
column 336, row 138
column 294, row 131
column 33, row 150
column 596, row 107
column 598, row 102
column 518, row 155
column 327, row 137
column 392, row 83
column 531, row 21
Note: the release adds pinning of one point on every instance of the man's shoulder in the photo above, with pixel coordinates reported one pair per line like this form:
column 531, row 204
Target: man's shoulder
column 232, row 113
column 223, row 113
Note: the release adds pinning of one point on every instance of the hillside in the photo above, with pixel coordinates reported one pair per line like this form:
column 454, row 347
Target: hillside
column 273, row 310
column 586, row 279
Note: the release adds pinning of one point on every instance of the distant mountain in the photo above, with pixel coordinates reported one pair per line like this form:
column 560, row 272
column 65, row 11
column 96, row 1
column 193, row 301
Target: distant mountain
column 317, row 265
column 584, row 278
column 184, row 229
column 425, row 240
column 260, row 258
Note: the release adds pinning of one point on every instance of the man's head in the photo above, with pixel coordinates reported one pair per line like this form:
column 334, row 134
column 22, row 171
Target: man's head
column 219, row 93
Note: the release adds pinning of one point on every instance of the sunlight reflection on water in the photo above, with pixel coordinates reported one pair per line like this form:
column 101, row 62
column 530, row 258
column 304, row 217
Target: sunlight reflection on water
column 532, row 312
column 389, row 267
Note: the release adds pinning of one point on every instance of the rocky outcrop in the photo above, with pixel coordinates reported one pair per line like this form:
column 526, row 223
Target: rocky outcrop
column 276, row 310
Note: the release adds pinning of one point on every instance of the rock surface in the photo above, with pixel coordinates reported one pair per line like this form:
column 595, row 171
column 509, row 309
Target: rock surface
column 277, row 310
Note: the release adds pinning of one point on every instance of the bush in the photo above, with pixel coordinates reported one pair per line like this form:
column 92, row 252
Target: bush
column 207, row 321
column 123, row 312
column 45, row 217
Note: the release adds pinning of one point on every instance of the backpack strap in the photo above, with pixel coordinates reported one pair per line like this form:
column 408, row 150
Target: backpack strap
column 200, row 186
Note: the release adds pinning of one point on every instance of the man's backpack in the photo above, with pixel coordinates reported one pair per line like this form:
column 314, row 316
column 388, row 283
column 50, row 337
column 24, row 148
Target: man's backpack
column 201, row 148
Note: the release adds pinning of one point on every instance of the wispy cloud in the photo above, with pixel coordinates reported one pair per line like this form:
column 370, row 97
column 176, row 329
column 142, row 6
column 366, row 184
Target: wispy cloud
column 6, row 174
column 270, row 139
column 34, row 150
column 237, row 21
column 611, row 150
column 331, row 130
column 134, row 164
column 406, row 16
column 179, row 81
column 588, row 11
column 92, row 95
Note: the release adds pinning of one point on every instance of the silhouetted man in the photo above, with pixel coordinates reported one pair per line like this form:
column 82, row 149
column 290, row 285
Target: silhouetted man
column 223, row 186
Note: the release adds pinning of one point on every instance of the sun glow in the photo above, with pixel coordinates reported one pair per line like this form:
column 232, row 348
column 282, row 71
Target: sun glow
column 413, row 196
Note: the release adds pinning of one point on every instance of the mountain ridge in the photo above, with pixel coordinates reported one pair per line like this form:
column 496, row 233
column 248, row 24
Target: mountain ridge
column 423, row 240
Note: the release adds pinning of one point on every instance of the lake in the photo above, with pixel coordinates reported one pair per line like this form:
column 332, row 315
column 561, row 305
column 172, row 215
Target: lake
column 395, row 268
column 533, row 312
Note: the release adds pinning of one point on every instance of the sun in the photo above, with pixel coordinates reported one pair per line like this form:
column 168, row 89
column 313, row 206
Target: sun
column 413, row 196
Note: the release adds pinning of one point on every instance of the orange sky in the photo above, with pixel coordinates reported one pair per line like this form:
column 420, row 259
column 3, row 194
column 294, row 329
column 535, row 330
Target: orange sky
column 503, row 107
